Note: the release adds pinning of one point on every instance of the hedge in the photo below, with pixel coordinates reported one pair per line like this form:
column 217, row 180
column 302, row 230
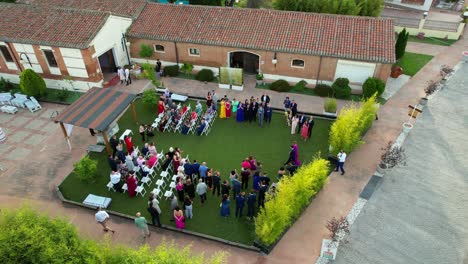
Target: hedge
column 341, row 88
column 351, row 124
column 371, row 86
column 205, row 75
column 172, row 70
column 293, row 194
column 30, row 237
column 280, row 86
column 323, row 90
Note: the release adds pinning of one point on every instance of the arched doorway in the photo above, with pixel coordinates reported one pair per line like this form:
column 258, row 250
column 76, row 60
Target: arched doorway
column 249, row 62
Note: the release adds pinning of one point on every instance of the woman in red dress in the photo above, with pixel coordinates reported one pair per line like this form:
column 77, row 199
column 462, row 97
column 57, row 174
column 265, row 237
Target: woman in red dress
column 131, row 185
column 228, row 109
column 129, row 143
column 160, row 107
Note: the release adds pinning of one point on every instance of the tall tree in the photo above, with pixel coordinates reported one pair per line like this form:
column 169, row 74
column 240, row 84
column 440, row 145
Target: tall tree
column 400, row 45
column 371, row 8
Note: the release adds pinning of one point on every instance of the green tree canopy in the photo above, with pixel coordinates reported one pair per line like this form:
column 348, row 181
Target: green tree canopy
column 400, row 45
column 32, row 84
column 342, row 7
column 146, row 51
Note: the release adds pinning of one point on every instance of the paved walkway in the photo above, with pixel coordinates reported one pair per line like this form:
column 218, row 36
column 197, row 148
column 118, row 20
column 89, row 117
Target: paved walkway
column 424, row 48
column 417, row 212
column 33, row 177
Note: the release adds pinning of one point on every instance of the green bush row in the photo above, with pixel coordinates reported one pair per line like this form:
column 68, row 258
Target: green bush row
column 352, row 122
column 29, row 237
column 293, row 194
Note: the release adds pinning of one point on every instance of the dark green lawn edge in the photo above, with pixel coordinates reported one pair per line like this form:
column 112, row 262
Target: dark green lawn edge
column 311, row 92
column 170, row 228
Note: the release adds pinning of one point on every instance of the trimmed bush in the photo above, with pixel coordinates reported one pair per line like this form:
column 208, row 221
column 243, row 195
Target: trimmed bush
column 5, row 85
column 373, row 86
column 205, row 75
column 32, row 84
column 280, row 86
column 187, row 68
column 31, row 237
column 150, row 97
column 62, row 94
column 172, row 70
column 341, row 88
column 351, row 124
column 86, row 169
column 300, row 86
column 330, row 105
column 292, row 195
column 323, row 90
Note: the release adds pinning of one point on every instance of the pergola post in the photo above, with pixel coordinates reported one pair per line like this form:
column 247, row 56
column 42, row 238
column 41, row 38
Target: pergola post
column 134, row 112
column 108, row 147
column 65, row 133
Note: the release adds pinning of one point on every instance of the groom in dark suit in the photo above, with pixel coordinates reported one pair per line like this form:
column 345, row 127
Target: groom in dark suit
column 302, row 120
column 265, row 99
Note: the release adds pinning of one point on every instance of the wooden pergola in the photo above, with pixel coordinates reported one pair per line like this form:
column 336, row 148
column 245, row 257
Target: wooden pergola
column 96, row 109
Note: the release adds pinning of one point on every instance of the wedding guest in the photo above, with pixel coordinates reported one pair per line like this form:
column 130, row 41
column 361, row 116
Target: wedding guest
column 268, row 114
column 225, row 188
column 240, row 113
column 235, row 104
column 154, row 210
column 228, row 109
column 281, row 173
column 245, row 174
column 251, row 199
column 201, row 190
column 240, row 202
column 112, row 163
column 189, row 188
column 129, row 143
column 179, row 218
column 142, row 131
column 115, row 179
column 311, row 126
column 209, row 178
column 216, row 182
column 188, row 205
column 180, row 189
column 209, row 100
column 294, row 122
column 225, row 208
column 145, row 149
column 131, row 185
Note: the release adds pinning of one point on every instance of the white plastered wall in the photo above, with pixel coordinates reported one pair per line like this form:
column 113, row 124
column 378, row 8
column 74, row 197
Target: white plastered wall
column 26, row 49
column 110, row 37
column 74, row 62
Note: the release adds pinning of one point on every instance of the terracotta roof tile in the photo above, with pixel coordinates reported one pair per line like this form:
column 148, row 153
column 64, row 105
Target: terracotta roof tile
column 350, row 37
column 49, row 26
column 128, row 8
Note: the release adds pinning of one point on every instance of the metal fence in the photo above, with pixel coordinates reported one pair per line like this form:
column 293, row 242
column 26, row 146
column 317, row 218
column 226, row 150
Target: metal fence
column 404, row 22
column 441, row 25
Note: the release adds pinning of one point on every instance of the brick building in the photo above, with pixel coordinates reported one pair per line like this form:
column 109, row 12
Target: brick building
column 65, row 40
column 282, row 45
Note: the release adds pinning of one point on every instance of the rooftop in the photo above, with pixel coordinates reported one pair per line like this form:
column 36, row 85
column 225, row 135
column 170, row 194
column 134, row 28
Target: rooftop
column 350, row 37
column 59, row 27
column 128, row 8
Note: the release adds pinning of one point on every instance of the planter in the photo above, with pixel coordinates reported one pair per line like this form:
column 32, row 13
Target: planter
column 237, row 87
column 329, row 249
column 407, row 127
column 423, row 101
column 259, row 82
column 329, row 113
column 224, row 86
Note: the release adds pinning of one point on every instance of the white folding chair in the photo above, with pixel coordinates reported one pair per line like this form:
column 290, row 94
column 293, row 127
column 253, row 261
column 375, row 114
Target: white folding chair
column 125, row 188
column 157, row 192
column 164, row 175
column 140, row 190
column 172, row 186
column 110, row 186
column 168, row 194
column 174, row 178
column 146, row 180
column 160, row 183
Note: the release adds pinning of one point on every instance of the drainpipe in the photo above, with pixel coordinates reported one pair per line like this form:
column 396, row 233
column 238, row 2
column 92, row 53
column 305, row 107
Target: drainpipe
column 17, row 61
column 176, row 53
column 318, row 71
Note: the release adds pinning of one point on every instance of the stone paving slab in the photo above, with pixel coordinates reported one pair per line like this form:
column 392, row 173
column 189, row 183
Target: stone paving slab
column 35, row 124
column 19, row 121
column 4, row 148
column 5, row 117
column 34, row 139
column 18, row 136
column 18, row 154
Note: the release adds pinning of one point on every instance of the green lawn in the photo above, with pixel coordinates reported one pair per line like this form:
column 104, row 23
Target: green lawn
column 413, row 62
column 433, row 41
column 223, row 149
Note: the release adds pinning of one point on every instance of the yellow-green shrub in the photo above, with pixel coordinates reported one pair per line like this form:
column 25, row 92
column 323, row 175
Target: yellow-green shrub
column 351, row 124
column 292, row 195
column 30, row 237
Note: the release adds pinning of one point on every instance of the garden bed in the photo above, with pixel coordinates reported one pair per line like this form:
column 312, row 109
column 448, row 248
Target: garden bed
column 223, row 149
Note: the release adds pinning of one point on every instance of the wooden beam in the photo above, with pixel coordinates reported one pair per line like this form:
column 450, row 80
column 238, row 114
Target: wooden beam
column 134, row 112
column 65, row 133
column 108, row 147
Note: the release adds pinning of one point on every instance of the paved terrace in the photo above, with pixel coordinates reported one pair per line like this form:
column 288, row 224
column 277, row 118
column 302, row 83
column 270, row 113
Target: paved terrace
column 31, row 176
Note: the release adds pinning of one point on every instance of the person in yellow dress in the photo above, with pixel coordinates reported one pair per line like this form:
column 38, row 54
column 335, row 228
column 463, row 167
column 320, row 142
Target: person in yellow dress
column 222, row 112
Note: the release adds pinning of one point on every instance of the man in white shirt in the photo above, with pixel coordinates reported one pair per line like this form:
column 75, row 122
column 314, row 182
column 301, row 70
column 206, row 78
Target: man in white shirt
column 201, row 190
column 341, row 160
column 115, row 180
column 102, row 217
column 121, row 74
column 128, row 79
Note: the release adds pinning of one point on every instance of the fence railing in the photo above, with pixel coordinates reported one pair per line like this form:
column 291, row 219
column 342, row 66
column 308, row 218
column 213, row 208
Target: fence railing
column 441, row 25
column 431, row 28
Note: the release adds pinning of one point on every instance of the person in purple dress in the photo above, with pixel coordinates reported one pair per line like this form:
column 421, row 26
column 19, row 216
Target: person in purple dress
column 240, row 113
column 296, row 154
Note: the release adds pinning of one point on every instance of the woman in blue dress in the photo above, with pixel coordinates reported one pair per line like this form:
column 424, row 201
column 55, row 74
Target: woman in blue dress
column 240, row 113
column 225, row 209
